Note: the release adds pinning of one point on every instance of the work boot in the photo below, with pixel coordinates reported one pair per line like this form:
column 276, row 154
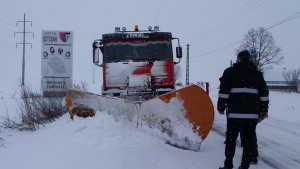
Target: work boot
column 254, row 161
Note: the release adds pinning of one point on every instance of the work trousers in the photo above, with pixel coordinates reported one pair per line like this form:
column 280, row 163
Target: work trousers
column 242, row 136
column 233, row 128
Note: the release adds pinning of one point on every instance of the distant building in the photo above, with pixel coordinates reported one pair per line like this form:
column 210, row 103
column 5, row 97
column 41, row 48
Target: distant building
column 275, row 81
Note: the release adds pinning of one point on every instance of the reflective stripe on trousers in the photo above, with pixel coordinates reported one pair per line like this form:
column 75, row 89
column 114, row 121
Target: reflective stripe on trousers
column 223, row 96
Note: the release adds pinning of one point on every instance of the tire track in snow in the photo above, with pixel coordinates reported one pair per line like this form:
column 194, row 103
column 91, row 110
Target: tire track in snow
column 279, row 150
column 291, row 130
column 285, row 133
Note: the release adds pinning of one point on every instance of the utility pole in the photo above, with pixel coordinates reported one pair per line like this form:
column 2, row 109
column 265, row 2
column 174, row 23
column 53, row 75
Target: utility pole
column 24, row 43
column 187, row 81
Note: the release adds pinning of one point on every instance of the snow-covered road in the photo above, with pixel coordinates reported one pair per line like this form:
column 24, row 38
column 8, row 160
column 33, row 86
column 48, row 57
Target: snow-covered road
column 103, row 142
column 279, row 135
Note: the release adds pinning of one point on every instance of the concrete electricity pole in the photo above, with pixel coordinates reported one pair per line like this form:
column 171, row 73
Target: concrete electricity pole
column 24, row 43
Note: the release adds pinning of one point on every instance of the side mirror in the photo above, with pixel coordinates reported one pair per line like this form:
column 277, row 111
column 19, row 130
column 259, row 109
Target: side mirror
column 96, row 52
column 178, row 52
column 96, row 55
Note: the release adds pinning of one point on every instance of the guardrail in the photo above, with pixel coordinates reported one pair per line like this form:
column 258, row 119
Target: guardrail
column 283, row 83
column 280, row 85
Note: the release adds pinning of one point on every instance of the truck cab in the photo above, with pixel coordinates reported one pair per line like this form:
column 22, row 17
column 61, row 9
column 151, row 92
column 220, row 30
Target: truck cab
column 136, row 62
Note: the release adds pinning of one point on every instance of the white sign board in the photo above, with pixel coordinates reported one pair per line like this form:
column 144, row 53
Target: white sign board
column 56, row 84
column 57, row 61
column 57, row 37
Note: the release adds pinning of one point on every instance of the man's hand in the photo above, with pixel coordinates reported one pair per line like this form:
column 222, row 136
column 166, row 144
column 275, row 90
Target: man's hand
column 221, row 112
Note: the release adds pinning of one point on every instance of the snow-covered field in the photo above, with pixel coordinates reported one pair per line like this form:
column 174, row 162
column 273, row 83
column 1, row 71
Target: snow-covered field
column 103, row 142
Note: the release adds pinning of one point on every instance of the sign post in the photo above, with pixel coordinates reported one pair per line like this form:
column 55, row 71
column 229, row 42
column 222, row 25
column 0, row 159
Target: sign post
column 57, row 62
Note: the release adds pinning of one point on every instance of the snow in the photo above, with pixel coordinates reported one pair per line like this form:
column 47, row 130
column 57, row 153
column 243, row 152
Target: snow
column 117, row 70
column 123, row 69
column 104, row 142
column 158, row 68
column 138, row 80
column 155, row 110
column 164, row 120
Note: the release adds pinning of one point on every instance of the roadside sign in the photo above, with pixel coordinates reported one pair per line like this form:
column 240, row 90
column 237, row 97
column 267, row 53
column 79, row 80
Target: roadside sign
column 57, row 37
column 57, row 61
column 56, row 84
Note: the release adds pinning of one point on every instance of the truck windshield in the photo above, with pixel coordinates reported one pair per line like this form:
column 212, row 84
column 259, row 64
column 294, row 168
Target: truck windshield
column 138, row 51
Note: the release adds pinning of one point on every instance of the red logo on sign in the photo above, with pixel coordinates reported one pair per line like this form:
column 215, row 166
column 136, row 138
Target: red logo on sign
column 64, row 36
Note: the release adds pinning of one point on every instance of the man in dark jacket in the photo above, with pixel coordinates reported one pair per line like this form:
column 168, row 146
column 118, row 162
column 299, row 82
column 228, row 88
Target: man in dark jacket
column 243, row 90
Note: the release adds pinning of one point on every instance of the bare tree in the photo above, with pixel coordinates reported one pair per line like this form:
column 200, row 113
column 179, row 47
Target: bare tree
column 291, row 77
column 1, row 141
column 83, row 86
column 262, row 47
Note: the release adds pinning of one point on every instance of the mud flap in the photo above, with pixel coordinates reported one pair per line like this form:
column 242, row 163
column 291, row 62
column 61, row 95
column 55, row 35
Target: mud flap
column 184, row 116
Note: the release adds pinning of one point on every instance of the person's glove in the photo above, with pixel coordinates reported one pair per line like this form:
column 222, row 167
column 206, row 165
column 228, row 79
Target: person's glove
column 263, row 115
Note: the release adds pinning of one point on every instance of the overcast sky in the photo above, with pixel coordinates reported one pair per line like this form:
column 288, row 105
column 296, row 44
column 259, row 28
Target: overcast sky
column 209, row 26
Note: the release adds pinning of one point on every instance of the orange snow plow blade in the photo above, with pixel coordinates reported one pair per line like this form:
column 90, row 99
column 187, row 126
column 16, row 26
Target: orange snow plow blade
column 184, row 116
column 198, row 106
column 76, row 109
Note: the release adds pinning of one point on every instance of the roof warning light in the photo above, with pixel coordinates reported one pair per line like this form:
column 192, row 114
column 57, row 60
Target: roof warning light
column 136, row 28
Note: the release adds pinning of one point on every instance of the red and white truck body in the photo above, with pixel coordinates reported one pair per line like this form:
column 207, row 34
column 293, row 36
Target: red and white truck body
column 137, row 62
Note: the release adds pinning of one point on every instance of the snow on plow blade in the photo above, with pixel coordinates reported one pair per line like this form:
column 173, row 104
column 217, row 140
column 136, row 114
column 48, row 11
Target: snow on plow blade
column 183, row 118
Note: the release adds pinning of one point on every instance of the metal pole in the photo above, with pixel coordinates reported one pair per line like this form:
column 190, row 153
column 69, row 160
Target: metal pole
column 24, row 45
column 187, row 82
column 94, row 74
column 23, row 61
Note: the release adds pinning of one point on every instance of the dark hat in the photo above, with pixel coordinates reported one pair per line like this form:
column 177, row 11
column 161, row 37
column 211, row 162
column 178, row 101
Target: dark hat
column 244, row 55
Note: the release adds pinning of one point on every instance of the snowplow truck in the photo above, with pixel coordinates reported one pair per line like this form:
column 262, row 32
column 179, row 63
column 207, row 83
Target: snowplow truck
column 139, row 86
column 137, row 64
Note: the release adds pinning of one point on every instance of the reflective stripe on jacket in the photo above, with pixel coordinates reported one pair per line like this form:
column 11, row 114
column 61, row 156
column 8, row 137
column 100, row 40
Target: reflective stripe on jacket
column 243, row 90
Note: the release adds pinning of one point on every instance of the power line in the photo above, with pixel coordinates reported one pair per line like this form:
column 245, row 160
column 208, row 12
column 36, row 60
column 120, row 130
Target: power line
column 7, row 16
column 11, row 6
column 295, row 15
column 7, row 22
column 2, row 34
column 4, row 44
column 219, row 49
column 17, row 8
column 7, row 35
column 230, row 19
column 5, row 29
